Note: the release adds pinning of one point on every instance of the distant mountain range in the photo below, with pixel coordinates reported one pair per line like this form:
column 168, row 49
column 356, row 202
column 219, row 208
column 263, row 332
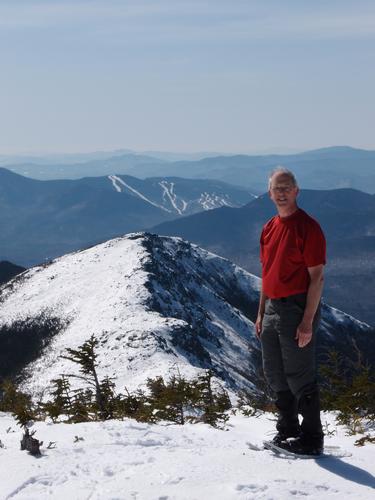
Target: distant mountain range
column 156, row 305
column 75, row 158
column 327, row 168
column 348, row 220
column 40, row 220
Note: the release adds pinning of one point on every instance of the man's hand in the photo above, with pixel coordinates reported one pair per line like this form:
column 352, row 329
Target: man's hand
column 258, row 325
column 304, row 333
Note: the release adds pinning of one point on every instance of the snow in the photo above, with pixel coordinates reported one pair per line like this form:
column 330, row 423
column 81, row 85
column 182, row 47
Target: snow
column 114, row 183
column 115, row 179
column 342, row 317
column 108, row 290
column 168, row 191
column 102, row 291
column 206, row 201
column 131, row 460
column 211, row 200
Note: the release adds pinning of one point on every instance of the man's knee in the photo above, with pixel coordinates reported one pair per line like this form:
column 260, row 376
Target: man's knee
column 307, row 389
column 275, row 377
column 303, row 386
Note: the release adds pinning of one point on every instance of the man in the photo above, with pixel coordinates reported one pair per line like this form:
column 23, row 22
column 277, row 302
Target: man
column 293, row 254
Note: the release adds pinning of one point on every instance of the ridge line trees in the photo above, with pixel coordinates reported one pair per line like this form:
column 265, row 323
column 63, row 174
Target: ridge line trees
column 177, row 399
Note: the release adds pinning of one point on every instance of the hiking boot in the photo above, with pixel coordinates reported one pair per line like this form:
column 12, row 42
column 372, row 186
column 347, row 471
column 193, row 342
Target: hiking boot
column 305, row 445
column 281, row 437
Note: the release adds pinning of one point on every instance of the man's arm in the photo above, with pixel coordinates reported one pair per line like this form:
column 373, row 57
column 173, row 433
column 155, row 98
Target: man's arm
column 258, row 323
column 314, row 293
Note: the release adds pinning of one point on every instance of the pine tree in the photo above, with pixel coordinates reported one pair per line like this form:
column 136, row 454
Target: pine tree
column 108, row 397
column 82, row 406
column 85, row 356
column 62, row 399
column 132, row 405
column 17, row 402
column 349, row 389
column 169, row 401
column 214, row 404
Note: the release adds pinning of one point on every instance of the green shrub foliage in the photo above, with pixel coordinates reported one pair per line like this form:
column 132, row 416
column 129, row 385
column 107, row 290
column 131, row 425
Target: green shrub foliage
column 14, row 401
column 348, row 388
column 253, row 404
column 213, row 402
column 177, row 399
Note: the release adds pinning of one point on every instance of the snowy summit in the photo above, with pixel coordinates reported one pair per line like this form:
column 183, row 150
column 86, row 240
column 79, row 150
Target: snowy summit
column 155, row 303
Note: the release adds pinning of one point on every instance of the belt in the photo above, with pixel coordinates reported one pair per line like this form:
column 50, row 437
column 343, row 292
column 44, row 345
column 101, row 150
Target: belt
column 281, row 299
column 288, row 298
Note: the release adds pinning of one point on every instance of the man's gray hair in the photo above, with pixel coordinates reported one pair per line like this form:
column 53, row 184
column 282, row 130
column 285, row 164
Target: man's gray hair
column 285, row 171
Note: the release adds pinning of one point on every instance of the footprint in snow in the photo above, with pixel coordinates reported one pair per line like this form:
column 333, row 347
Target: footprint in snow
column 149, row 442
column 107, row 471
column 253, row 488
column 175, row 480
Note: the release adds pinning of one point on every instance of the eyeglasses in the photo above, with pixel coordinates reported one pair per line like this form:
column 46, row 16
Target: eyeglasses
column 286, row 189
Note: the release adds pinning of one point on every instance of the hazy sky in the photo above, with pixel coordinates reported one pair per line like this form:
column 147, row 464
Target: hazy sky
column 212, row 75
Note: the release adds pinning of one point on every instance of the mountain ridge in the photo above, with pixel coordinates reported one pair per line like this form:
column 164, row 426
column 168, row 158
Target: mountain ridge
column 330, row 167
column 43, row 219
column 155, row 304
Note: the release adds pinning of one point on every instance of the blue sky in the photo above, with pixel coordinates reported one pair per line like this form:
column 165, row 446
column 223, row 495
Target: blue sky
column 204, row 75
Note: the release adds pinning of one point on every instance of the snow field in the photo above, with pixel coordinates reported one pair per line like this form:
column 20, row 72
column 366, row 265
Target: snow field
column 131, row 460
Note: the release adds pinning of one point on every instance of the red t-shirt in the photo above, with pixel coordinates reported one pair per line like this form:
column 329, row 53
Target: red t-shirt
column 288, row 246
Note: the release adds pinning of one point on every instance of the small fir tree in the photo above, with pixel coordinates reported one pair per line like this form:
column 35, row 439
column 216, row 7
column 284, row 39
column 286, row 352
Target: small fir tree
column 85, row 356
column 213, row 403
column 62, row 399
column 17, row 402
column 349, row 389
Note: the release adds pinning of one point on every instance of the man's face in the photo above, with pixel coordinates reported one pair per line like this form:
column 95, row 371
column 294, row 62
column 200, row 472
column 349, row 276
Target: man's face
column 282, row 191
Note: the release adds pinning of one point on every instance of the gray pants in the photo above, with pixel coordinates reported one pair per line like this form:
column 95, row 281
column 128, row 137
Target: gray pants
column 287, row 366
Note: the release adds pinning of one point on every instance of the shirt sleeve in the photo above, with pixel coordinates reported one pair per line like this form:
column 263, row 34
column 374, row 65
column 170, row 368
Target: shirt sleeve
column 314, row 252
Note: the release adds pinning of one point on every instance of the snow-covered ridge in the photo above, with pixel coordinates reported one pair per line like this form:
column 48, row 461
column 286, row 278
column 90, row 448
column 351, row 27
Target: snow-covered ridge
column 156, row 304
